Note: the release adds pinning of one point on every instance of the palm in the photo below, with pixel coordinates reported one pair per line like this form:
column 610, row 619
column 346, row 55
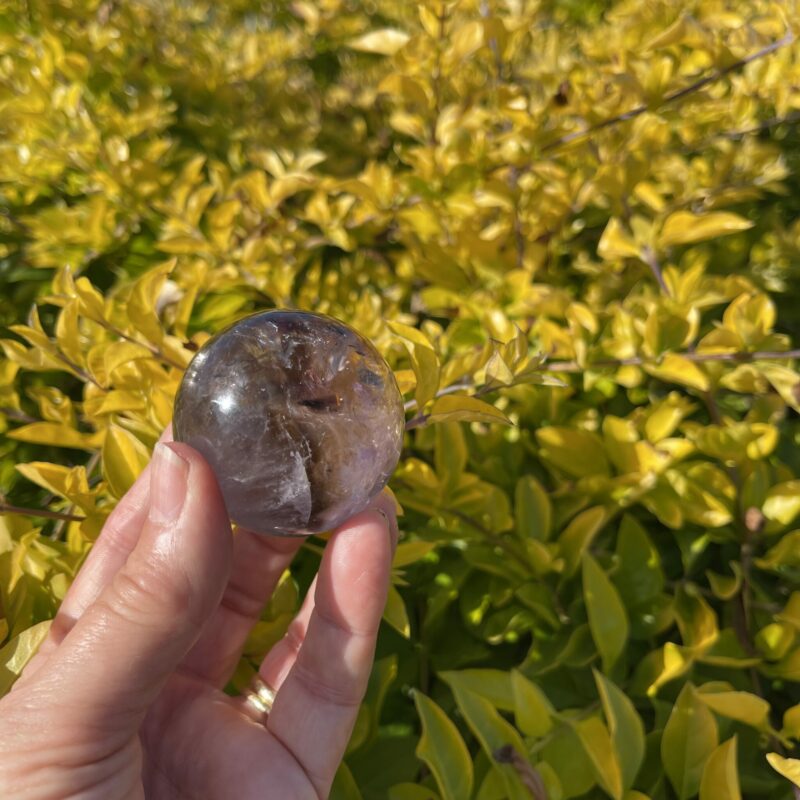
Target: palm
column 197, row 744
column 150, row 633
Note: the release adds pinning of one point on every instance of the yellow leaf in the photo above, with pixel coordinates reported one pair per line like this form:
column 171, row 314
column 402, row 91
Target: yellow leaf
column 559, row 445
column 741, row 706
column 783, row 502
column 385, row 42
column 788, row 767
column 54, row 434
column 406, row 380
column 465, row 40
column 143, row 298
column 683, row 227
column 720, row 775
column 462, row 408
column 616, row 243
column 674, row 368
column 596, row 742
column 424, row 362
column 124, row 457
column 18, row 652
column 395, row 613
column 443, row 750
column 118, row 353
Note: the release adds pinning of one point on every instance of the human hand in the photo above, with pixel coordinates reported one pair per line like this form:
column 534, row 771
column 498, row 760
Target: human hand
column 124, row 699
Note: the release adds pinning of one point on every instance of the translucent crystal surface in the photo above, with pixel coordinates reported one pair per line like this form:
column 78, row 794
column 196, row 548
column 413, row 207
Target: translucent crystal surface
column 299, row 416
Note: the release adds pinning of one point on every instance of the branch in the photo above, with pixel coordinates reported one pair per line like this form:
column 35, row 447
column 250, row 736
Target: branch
column 637, row 361
column 608, row 363
column 762, row 127
column 652, row 261
column 5, row 508
column 789, row 38
column 158, row 353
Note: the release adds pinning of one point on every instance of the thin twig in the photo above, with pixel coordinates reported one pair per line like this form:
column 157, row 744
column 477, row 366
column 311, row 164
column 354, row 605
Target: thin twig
column 789, row 38
column 5, row 508
column 655, row 267
column 16, row 415
column 157, row 352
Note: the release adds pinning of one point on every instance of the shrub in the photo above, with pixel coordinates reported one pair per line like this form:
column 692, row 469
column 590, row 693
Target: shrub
column 580, row 221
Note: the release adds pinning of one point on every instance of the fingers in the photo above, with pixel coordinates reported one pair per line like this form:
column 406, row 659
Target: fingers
column 258, row 563
column 116, row 658
column 316, row 707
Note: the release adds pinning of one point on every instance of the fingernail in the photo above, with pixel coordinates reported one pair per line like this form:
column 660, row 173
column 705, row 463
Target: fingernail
column 167, row 485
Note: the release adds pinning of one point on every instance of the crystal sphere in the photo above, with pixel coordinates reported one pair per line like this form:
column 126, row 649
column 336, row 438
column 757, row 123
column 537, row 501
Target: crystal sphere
column 299, row 417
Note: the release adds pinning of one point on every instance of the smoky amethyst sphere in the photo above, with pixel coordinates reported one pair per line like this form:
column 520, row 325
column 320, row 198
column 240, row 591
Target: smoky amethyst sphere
column 299, row 416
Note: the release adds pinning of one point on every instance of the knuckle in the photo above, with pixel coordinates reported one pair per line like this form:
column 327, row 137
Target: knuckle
column 148, row 593
column 344, row 695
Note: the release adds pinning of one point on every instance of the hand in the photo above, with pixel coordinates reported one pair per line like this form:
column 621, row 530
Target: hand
column 124, row 699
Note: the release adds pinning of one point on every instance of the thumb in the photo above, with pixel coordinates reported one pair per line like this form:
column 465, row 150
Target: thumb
column 121, row 652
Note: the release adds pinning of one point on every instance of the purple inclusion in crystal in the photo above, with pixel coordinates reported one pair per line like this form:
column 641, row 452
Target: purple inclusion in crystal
column 299, row 416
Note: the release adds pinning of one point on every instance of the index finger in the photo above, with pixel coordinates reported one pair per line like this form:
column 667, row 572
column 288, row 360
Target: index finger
column 316, row 707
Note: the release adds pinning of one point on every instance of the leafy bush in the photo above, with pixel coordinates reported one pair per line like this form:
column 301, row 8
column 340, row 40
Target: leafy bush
column 579, row 220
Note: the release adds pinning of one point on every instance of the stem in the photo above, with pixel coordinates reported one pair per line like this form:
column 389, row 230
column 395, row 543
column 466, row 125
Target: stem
column 158, row 353
column 655, row 267
column 789, row 38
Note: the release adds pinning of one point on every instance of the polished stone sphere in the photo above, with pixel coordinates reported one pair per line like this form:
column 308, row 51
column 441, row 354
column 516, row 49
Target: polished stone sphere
column 298, row 415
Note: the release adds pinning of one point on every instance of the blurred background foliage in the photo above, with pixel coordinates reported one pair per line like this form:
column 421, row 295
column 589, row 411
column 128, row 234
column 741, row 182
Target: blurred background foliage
column 576, row 217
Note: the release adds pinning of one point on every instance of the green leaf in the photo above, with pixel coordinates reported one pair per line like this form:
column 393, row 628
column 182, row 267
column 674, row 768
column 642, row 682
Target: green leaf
column 533, row 512
column 450, row 455
column 533, row 712
column 344, row 785
column 625, row 726
column 492, row 731
column 720, row 775
column 639, row 576
column 608, row 620
column 493, row 684
column 690, row 737
column 578, row 535
column 443, row 750
column 411, row 791
column 596, row 742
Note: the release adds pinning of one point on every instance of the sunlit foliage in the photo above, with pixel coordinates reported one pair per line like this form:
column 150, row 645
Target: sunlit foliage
column 572, row 229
